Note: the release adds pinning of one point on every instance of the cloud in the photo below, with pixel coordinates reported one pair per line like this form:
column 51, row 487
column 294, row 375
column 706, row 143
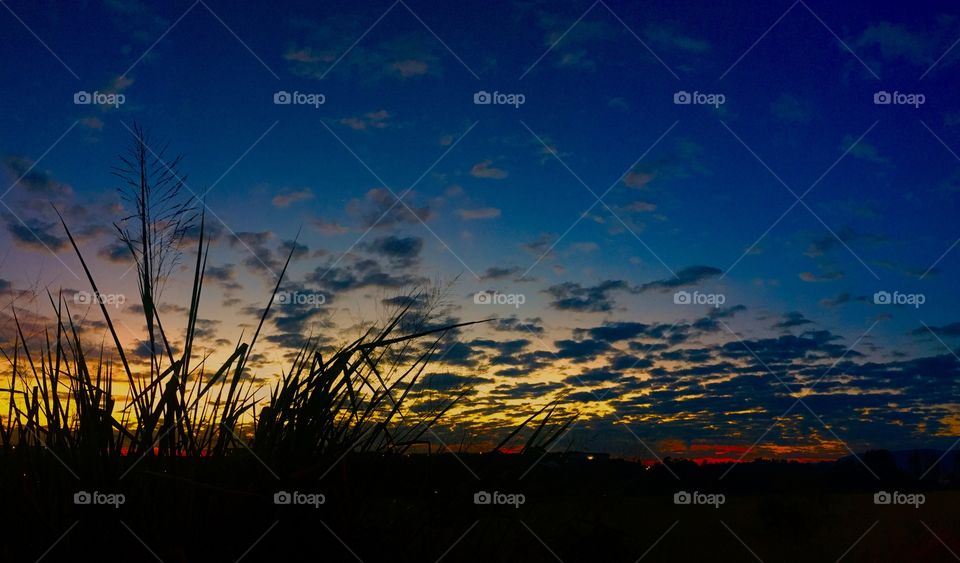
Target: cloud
column 525, row 390
column 824, row 277
column 639, row 207
column 361, row 274
column 920, row 272
column 532, row 325
column 34, row 234
column 637, row 179
column 251, row 238
column 541, row 245
column 686, row 276
column 787, row 108
column 370, row 120
column 299, row 250
column 593, row 376
column 137, row 19
column 685, row 161
column 792, row 319
column 37, row 182
column 401, row 252
column 582, row 350
column 836, row 301
column 258, row 256
column 284, row 200
column 507, row 349
column 951, row 330
column 485, row 170
column 618, row 103
column 460, row 354
column 846, row 235
column 862, row 150
column 402, row 57
column 328, row 227
column 499, row 272
column 711, row 323
column 667, row 37
column 584, row 247
column 94, row 123
column 380, row 208
column 807, row 346
column 626, row 362
column 451, row 381
column 570, row 296
column 572, row 47
column 116, row 252
column 478, row 213
column 224, row 276
column 410, row 67
column 118, row 84
column 308, row 55
column 615, row 331
column 895, row 42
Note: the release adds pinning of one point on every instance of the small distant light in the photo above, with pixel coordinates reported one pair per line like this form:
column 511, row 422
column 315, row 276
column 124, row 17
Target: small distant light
column 590, row 457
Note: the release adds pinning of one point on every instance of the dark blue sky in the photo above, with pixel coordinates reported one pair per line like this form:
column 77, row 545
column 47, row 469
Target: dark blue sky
column 694, row 198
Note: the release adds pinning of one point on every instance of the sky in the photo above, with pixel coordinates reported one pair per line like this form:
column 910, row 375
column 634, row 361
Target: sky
column 715, row 231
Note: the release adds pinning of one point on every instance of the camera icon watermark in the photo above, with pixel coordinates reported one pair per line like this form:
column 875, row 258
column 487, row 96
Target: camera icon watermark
column 284, row 98
column 97, row 298
column 696, row 497
column 498, row 498
column 884, row 98
column 897, row 298
column 484, row 98
column 898, row 498
column 697, row 298
column 299, row 499
column 684, row 98
column 84, row 98
column 301, row 299
column 497, row 298
column 100, row 499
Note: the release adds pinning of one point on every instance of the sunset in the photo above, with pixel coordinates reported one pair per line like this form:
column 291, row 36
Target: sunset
column 508, row 281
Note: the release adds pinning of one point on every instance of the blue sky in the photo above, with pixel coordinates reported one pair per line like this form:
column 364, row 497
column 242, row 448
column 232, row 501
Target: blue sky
column 695, row 198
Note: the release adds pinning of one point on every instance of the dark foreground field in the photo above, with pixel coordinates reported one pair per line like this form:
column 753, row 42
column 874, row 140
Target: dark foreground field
column 422, row 508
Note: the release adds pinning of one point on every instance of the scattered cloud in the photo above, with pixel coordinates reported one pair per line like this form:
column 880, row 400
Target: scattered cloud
column 371, row 120
column 36, row 181
column 686, row 276
column 285, row 199
column 401, row 252
column 478, row 213
column 787, row 108
column 486, row 170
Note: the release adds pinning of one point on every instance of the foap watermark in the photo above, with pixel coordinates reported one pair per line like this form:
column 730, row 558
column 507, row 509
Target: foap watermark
column 895, row 98
column 298, row 298
column 897, row 298
column 84, row 98
column 484, row 98
column 684, row 98
column 497, row 298
column 496, row 497
column 111, row 299
column 284, row 98
column 697, row 298
column 896, row 497
column 99, row 498
column 696, row 497
column 299, row 499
